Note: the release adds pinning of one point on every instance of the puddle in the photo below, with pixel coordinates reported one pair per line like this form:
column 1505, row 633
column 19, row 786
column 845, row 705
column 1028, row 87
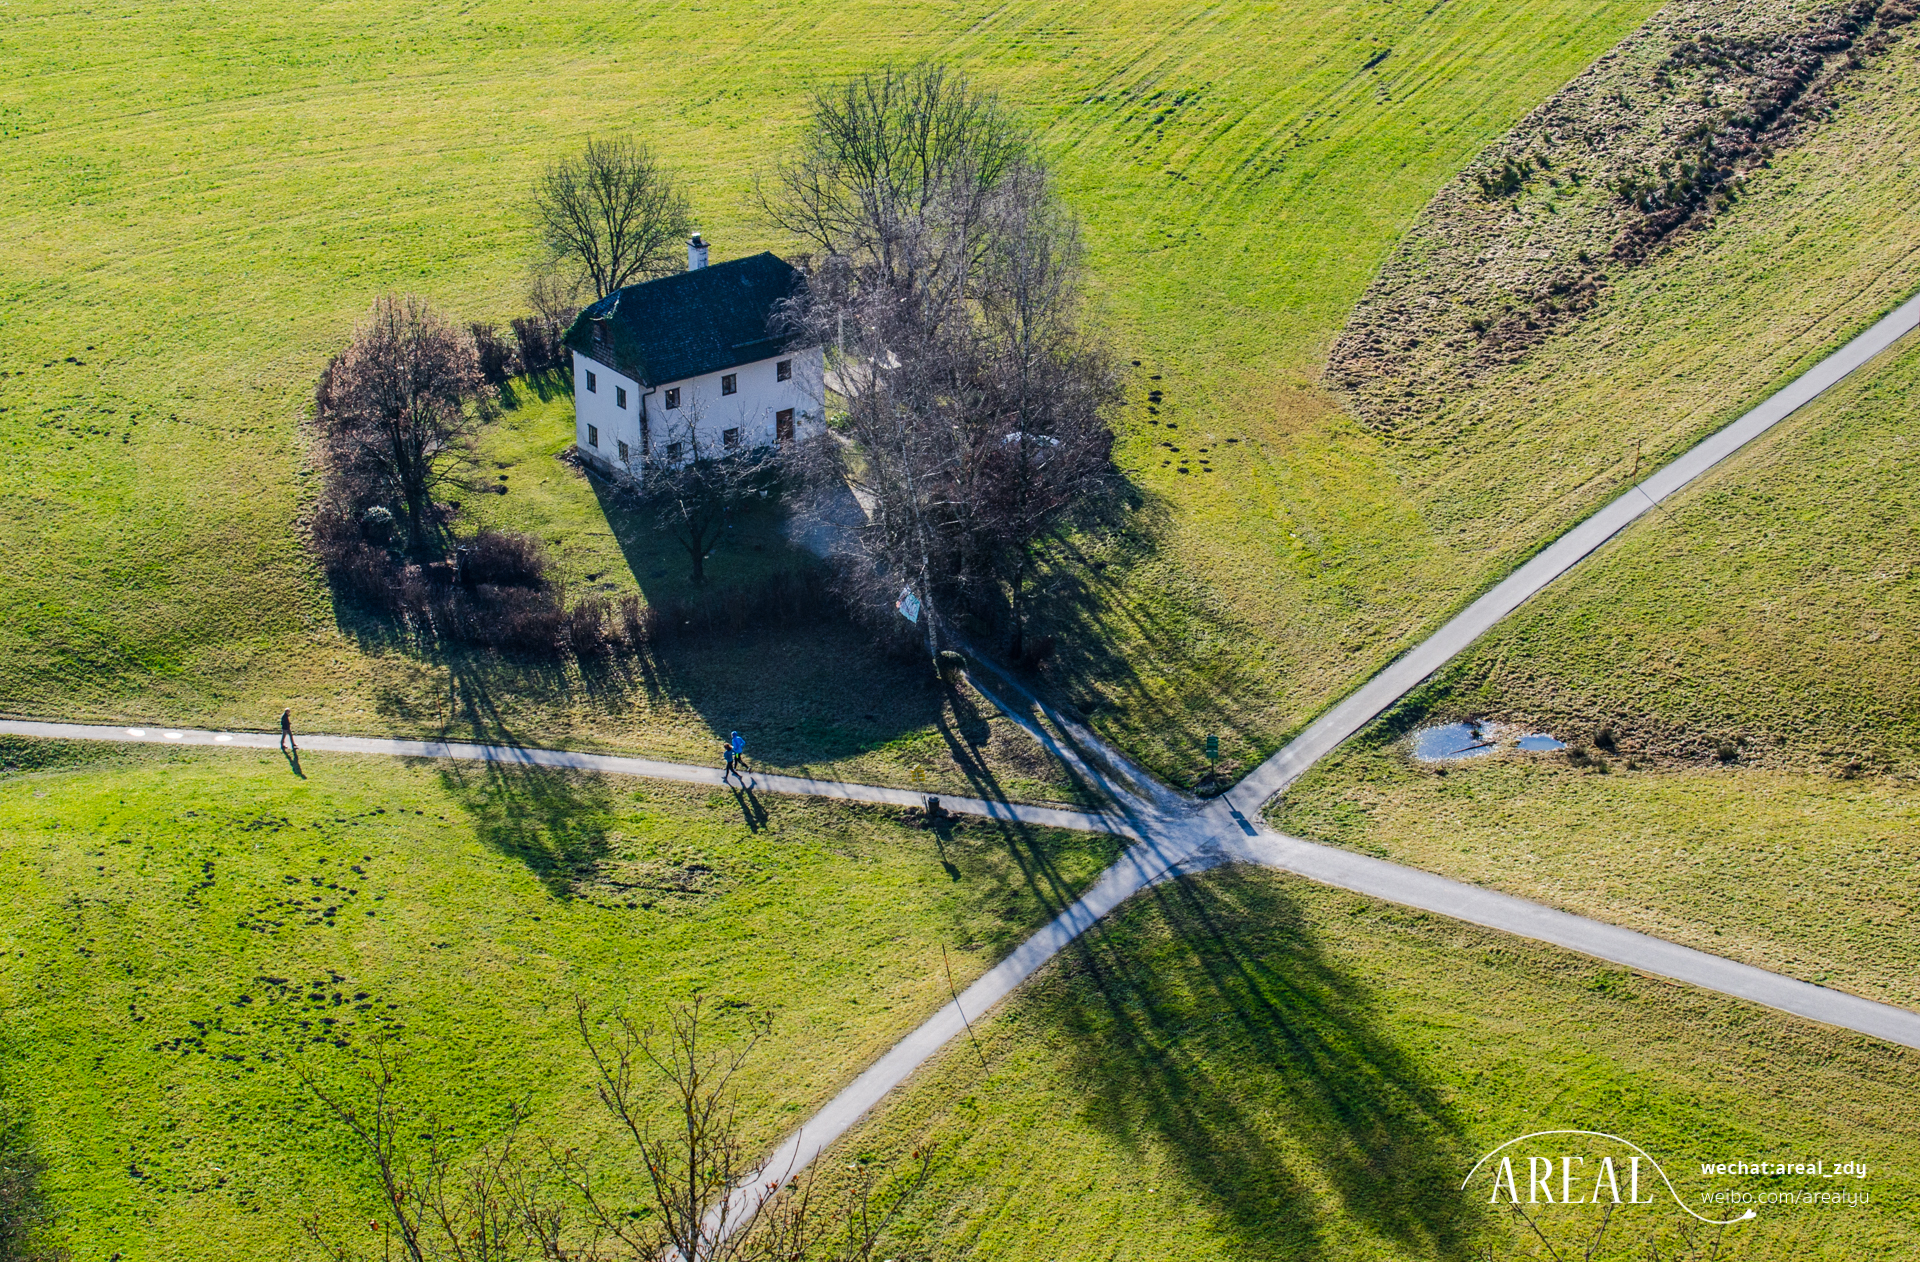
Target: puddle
column 1452, row 742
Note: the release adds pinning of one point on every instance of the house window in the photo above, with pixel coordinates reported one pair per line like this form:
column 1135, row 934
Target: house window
column 673, row 452
column 730, row 437
column 593, row 435
column 593, row 384
column 783, row 371
column 619, row 396
column 624, row 457
column 673, row 397
column 730, row 384
column 783, row 425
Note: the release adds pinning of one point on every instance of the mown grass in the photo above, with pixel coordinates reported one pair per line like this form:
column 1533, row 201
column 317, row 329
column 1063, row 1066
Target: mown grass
column 1242, row 601
column 1804, row 875
column 204, row 203
column 152, row 897
column 1771, row 608
column 1749, row 652
column 1245, row 1066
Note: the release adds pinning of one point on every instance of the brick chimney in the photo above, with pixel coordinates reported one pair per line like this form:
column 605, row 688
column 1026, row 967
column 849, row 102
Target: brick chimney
column 696, row 253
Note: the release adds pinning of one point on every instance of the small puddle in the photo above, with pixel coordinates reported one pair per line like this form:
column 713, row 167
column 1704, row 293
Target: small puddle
column 1452, row 742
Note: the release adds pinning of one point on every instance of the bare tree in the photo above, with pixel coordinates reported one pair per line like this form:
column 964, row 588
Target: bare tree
column 690, row 489
column 697, row 1157
column 1048, row 385
column 693, row 1161
column 492, row 1208
column 393, row 407
column 497, row 1205
column 612, row 215
column 947, row 289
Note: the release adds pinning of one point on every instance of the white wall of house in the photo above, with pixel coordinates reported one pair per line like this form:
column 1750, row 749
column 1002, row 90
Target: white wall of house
column 601, row 425
column 600, row 422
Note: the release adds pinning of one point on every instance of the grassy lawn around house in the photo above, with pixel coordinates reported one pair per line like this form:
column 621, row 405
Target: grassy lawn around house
column 178, row 923
column 203, row 204
column 811, row 699
column 1245, row 1066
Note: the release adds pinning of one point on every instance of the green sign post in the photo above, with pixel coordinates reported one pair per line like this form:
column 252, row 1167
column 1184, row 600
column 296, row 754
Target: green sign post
column 1213, row 749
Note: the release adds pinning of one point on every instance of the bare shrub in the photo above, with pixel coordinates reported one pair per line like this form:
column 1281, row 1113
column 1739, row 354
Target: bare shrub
column 503, row 558
column 590, row 628
column 495, row 354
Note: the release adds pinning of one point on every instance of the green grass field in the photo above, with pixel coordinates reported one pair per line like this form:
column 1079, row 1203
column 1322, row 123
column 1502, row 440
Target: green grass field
column 1772, row 607
column 1767, row 614
column 202, row 206
column 154, row 898
column 1245, row 1066
column 1245, row 600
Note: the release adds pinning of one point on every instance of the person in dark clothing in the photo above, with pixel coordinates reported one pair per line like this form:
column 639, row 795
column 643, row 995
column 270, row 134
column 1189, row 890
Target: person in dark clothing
column 286, row 731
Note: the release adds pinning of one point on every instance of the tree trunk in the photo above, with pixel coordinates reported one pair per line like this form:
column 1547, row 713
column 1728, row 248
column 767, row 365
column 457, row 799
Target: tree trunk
column 1019, row 611
column 416, row 518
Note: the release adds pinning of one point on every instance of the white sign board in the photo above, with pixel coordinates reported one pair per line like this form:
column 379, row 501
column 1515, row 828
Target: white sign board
column 908, row 605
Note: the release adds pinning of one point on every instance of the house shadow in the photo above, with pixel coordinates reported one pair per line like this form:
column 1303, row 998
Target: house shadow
column 1215, row 1028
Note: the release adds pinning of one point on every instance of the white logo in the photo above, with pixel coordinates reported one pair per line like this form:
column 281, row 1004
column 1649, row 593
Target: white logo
column 1541, row 1179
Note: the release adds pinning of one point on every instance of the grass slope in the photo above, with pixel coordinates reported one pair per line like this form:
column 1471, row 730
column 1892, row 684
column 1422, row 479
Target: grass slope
column 1242, row 601
column 1769, row 616
column 1245, row 1066
column 203, row 202
column 1773, row 606
column 154, row 901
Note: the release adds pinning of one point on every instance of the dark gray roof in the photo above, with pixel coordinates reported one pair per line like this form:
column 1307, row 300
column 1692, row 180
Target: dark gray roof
column 691, row 323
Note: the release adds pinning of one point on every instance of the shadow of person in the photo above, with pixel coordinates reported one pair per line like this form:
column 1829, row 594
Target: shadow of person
column 293, row 760
column 752, row 812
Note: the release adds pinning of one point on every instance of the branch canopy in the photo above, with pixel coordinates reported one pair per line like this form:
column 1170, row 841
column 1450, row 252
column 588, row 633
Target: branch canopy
column 612, row 215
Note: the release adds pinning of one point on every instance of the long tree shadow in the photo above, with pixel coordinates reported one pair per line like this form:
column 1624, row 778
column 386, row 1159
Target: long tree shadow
column 1110, row 641
column 1212, row 1025
column 553, row 821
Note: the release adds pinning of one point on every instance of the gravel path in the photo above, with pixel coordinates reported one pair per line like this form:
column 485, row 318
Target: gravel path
column 616, row 764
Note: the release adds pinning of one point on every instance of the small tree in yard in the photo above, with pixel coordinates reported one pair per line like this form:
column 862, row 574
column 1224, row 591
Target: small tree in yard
column 393, row 408
column 612, row 216
column 690, row 499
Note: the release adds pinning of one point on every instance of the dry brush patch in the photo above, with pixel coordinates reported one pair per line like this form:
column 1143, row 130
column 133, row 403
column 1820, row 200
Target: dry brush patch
column 1651, row 142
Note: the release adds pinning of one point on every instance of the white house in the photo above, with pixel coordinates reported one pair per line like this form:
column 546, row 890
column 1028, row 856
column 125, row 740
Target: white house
column 692, row 361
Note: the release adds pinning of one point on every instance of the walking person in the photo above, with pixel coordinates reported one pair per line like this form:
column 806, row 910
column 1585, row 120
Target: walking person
column 727, row 751
column 737, row 755
column 286, row 731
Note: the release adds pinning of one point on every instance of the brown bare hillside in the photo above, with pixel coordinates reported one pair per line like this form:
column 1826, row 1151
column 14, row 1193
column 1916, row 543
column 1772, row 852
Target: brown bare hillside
column 1651, row 141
